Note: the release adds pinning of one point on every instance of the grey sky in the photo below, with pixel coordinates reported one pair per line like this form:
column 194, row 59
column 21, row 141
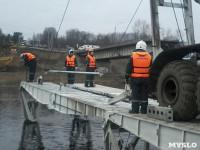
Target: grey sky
column 96, row 16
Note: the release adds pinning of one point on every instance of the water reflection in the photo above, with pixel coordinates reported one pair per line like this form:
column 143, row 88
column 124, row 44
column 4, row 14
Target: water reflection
column 31, row 138
column 80, row 137
column 55, row 131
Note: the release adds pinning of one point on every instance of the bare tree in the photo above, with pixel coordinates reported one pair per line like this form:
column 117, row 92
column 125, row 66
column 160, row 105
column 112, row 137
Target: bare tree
column 48, row 36
column 141, row 30
column 166, row 34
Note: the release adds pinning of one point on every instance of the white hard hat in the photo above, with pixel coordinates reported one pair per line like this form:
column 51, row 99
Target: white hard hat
column 141, row 45
column 21, row 55
column 71, row 51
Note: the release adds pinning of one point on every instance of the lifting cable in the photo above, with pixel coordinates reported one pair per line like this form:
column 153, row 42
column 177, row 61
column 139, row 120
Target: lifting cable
column 177, row 22
column 130, row 22
column 57, row 34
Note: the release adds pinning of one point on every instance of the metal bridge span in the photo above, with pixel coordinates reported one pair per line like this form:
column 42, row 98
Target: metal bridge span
column 78, row 100
column 124, row 50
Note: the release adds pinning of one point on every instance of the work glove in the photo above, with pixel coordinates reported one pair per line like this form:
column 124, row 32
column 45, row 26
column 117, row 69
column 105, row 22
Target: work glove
column 76, row 68
column 127, row 79
column 127, row 76
column 25, row 64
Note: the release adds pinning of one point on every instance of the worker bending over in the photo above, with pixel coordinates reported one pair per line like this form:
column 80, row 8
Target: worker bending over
column 138, row 70
column 71, row 65
column 90, row 67
column 30, row 64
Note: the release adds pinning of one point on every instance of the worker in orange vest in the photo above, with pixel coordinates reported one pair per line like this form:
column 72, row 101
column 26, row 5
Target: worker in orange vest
column 71, row 65
column 138, row 70
column 30, row 64
column 90, row 67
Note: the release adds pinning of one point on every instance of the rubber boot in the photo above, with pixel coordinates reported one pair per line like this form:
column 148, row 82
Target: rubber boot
column 86, row 84
column 31, row 77
column 135, row 107
column 68, row 81
column 91, row 83
column 72, row 81
column 144, row 107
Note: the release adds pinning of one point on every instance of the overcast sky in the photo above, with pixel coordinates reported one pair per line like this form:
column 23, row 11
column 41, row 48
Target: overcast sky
column 95, row 16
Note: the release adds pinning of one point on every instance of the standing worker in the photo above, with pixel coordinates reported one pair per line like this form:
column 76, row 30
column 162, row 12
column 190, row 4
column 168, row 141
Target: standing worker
column 138, row 69
column 90, row 67
column 30, row 64
column 71, row 65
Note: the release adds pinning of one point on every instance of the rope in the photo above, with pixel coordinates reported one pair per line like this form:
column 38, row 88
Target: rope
column 177, row 22
column 130, row 22
column 57, row 34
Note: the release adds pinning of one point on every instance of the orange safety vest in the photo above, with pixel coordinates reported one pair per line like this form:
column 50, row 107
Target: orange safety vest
column 141, row 64
column 92, row 61
column 70, row 61
column 30, row 56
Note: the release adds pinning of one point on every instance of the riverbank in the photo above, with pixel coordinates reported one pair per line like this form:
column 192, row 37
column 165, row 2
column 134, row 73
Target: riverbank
column 13, row 79
column 16, row 71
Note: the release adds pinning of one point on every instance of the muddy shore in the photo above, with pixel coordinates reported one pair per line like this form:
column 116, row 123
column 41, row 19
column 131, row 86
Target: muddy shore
column 16, row 72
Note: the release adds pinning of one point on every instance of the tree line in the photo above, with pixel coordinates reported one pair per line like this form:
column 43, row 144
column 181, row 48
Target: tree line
column 7, row 39
column 75, row 37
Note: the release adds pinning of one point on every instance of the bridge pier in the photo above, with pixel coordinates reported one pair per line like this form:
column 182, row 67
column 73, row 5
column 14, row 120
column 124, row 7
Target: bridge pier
column 112, row 142
column 31, row 107
column 31, row 136
column 133, row 143
column 109, row 138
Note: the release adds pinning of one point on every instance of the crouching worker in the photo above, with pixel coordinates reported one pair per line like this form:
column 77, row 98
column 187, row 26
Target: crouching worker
column 90, row 67
column 138, row 70
column 71, row 65
column 30, row 64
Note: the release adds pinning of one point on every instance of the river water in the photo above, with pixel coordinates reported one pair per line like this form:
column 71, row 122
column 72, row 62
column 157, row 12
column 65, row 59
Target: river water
column 53, row 131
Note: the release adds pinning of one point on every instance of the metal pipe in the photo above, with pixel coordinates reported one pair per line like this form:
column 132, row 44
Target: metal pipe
column 189, row 21
column 155, row 28
column 74, row 72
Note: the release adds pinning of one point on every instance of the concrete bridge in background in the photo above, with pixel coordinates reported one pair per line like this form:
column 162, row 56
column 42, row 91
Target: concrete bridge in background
column 115, row 51
column 124, row 50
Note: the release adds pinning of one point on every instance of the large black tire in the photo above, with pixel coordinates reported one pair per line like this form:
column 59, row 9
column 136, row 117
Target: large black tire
column 177, row 87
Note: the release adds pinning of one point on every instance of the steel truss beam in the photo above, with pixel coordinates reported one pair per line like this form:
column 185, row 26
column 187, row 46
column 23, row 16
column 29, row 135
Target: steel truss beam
column 113, row 143
column 109, row 139
column 74, row 101
column 31, row 107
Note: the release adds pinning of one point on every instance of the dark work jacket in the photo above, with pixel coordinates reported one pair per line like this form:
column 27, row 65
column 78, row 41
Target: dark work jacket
column 129, row 66
column 26, row 62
